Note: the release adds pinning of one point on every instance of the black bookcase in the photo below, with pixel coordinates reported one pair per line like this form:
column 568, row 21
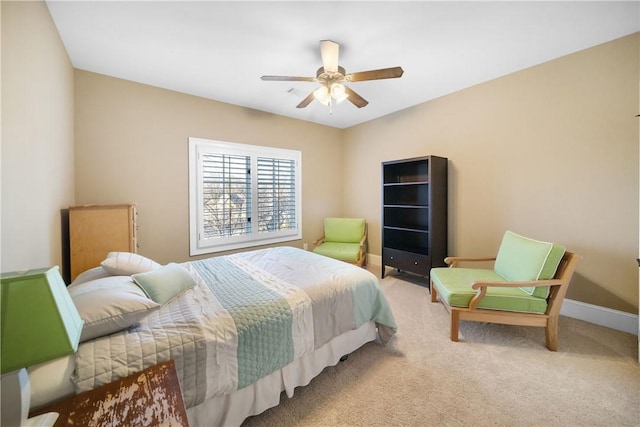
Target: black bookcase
column 414, row 214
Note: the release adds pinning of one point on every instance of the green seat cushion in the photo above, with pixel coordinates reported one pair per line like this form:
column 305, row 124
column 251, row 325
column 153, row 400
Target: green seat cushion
column 343, row 230
column 454, row 286
column 341, row 251
column 523, row 259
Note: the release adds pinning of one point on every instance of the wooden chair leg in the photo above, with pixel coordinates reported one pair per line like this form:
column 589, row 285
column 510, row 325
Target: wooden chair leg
column 433, row 292
column 455, row 324
column 551, row 333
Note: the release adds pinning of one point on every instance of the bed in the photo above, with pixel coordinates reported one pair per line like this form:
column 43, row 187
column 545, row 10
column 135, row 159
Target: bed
column 241, row 328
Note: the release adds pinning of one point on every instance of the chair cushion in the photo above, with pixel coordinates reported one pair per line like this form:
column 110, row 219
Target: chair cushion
column 342, row 251
column 343, row 230
column 522, row 259
column 454, row 287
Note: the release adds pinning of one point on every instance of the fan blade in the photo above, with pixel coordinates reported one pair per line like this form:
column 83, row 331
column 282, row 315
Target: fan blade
column 329, row 51
column 383, row 73
column 288, row 79
column 306, row 101
column 355, row 99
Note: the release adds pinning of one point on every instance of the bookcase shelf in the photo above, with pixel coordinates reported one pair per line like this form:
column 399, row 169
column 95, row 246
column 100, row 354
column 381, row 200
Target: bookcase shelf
column 414, row 214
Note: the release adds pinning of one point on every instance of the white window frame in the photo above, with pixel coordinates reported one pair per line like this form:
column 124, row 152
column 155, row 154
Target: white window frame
column 198, row 245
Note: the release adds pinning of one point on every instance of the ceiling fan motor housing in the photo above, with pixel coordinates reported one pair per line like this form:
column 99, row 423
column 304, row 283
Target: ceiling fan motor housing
column 327, row 77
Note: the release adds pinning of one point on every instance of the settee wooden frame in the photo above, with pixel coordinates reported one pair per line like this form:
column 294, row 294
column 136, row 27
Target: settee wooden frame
column 549, row 320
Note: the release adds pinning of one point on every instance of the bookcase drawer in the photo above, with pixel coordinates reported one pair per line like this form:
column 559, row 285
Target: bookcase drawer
column 407, row 261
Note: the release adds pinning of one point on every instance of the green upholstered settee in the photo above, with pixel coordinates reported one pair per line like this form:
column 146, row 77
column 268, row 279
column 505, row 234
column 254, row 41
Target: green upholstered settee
column 344, row 239
column 526, row 286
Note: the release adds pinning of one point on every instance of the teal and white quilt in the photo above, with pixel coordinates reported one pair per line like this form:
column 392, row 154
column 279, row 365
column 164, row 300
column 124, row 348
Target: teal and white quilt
column 249, row 315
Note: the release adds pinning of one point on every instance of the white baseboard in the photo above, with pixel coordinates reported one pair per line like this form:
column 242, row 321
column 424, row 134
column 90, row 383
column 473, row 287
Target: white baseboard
column 603, row 316
column 374, row 260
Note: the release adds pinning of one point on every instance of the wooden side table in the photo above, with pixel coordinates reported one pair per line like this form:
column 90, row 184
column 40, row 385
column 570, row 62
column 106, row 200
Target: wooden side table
column 149, row 398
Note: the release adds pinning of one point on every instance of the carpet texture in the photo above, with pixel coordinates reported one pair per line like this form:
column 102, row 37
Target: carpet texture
column 496, row 375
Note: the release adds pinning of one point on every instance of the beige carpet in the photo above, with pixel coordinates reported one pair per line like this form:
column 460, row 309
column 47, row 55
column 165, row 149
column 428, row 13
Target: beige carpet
column 496, row 375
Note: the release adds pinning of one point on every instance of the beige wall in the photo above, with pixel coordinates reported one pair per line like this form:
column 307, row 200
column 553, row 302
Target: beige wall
column 132, row 146
column 550, row 152
column 37, row 136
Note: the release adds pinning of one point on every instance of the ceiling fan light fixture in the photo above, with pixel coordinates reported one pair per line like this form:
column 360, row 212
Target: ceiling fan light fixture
column 322, row 95
column 338, row 92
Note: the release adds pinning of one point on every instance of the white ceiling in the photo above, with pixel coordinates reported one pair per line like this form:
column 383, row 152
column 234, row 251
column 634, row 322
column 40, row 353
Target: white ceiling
column 219, row 50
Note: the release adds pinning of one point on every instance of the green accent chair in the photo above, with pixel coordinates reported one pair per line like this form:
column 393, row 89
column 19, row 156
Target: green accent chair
column 344, row 239
column 526, row 286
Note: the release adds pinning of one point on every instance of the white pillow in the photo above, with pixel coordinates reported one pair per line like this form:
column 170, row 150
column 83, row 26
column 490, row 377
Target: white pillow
column 89, row 275
column 127, row 263
column 109, row 305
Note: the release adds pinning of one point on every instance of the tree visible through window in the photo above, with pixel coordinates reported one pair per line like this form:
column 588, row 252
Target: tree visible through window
column 232, row 185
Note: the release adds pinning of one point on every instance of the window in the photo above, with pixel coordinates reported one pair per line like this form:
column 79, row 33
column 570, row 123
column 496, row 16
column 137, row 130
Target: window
column 242, row 195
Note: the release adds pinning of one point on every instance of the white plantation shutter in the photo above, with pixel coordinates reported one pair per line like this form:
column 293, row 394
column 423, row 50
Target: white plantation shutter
column 276, row 194
column 226, row 207
column 242, row 195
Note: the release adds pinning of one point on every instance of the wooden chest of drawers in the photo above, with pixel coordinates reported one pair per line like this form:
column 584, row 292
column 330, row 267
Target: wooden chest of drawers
column 96, row 230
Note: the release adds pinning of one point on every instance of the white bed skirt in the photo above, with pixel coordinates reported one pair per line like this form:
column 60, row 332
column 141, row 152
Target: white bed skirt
column 50, row 382
column 232, row 409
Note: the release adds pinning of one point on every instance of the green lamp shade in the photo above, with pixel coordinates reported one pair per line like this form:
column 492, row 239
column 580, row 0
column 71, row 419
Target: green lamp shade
column 39, row 320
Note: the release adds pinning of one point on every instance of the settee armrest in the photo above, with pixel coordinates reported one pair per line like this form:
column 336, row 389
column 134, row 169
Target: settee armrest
column 452, row 261
column 318, row 241
column 481, row 287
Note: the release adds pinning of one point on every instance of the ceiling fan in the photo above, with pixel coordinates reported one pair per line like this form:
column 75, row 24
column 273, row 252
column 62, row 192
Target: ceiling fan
column 332, row 77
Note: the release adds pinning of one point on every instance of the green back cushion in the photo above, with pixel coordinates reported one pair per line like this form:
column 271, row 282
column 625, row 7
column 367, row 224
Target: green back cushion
column 343, row 230
column 522, row 259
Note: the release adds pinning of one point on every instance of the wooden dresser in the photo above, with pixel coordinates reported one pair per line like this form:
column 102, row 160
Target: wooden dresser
column 96, row 230
column 149, row 398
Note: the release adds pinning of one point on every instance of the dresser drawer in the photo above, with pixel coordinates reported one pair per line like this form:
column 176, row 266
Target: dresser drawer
column 407, row 261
